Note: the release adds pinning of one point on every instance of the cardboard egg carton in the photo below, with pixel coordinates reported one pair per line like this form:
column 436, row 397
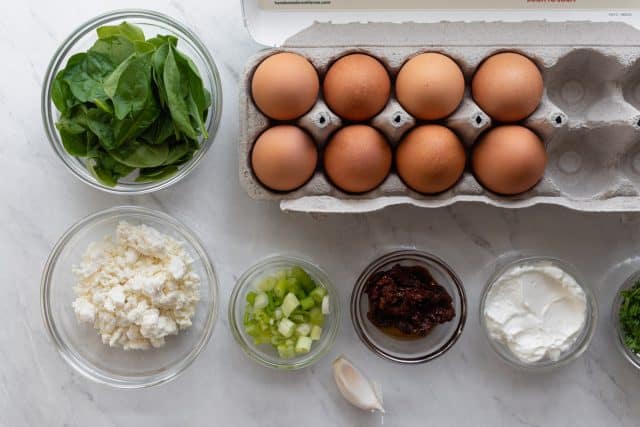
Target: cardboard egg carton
column 589, row 117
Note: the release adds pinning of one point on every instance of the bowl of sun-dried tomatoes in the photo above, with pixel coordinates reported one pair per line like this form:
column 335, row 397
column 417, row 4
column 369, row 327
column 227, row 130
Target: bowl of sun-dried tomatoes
column 408, row 306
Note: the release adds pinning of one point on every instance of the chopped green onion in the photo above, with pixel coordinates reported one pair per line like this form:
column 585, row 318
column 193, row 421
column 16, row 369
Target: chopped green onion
column 251, row 297
column 325, row 305
column 286, row 310
column 317, row 294
column 261, row 301
column 303, row 345
column 266, row 284
column 281, row 288
column 316, row 317
column 286, row 352
column 316, row 332
column 307, row 303
column 303, row 329
column 286, row 327
column 289, row 304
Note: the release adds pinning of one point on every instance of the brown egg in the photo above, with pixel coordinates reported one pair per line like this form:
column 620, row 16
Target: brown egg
column 508, row 86
column 356, row 87
column 285, row 86
column 284, row 158
column 430, row 159
column 430, row 86
column 357, row 158
column 509, row 159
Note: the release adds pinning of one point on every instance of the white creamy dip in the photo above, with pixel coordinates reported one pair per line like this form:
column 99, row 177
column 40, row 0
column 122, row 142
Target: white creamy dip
column 537, row 310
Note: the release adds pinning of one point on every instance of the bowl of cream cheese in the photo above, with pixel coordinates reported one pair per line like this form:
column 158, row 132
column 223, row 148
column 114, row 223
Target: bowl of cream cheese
column 537, row 313
column 129, row 297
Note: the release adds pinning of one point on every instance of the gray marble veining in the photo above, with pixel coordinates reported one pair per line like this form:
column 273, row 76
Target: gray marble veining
column 468, row 385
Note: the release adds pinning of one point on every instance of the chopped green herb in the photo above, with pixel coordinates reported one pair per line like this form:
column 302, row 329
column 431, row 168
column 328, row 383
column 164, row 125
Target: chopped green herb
column 629, row 315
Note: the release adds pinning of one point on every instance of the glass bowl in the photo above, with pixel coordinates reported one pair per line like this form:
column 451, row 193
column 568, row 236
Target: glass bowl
column 80, row 345
column 152, row 23
column 577, row 348
column 632, row 357
column 265, row 354
column 410, row 351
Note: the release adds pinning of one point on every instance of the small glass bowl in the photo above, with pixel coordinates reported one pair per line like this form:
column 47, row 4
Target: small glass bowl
column 80, row 344
column 579, row 346
column 152, row 23
column 410, row 351
column 265, row 354
column 632, row 357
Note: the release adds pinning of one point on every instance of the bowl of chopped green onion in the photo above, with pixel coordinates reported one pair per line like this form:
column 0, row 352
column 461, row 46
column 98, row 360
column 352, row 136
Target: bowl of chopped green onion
column 131, row 101
column 284, row 312
column 626, row 319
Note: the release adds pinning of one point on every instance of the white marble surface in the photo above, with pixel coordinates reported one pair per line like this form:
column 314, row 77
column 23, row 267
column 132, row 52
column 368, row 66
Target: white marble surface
column 469, row 385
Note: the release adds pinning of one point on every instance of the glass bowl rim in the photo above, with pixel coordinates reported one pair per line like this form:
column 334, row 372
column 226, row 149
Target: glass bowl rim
column 398, row 254
column 316, row 272
column 578, row 347
column 85, row 368
column 631, row 357
column 55, row 65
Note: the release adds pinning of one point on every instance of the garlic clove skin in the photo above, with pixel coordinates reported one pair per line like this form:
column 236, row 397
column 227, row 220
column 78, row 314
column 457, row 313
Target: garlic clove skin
column 355, row 387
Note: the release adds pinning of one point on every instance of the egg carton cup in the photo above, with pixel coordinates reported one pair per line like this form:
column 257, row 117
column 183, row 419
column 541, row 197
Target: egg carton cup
column 589, row 117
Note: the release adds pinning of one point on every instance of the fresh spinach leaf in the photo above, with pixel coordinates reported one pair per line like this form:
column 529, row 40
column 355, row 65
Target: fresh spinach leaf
column 130, row 31
column 100, row 124
column 200, row 95
column 159, row 40
column 116, row 48
column 103, row 175
column 177, row 88
column 74, row 131
column 85, row 74
column 177, row 151
column 95, row 148
column 61, row 94
column 133, row 126
column 160, row 130
column 129, row 86
column 144, row 47
column 76, row 144
column 156, row 174
column 199, row 98
column 118, row 168
column 138, row 154
column 108, row 170
column 157, row 61
column 74, row 120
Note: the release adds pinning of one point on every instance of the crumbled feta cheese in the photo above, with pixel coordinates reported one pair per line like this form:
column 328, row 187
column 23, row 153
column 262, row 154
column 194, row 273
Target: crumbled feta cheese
column 84, row 309
column 137, row 289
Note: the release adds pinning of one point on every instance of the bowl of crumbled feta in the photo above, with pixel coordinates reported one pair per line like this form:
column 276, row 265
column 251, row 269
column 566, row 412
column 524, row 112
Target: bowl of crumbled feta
column 129, row 297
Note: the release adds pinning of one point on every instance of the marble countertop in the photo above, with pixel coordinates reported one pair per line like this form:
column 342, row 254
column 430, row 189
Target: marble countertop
column 223, row 387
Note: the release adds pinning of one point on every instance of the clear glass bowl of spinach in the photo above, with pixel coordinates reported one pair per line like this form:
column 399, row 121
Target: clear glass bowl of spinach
column 131, row 101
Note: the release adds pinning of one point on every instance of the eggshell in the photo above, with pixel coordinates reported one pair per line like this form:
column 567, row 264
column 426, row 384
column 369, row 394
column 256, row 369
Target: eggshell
column 285, row 86
column 430, row 159
column 356, row 87
column 509, row 159
column 430, row 86
column 357, row 158
column 284, row 157
column 508, row 86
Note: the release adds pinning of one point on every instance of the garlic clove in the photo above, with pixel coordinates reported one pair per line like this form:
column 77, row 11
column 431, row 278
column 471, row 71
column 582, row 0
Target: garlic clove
column 355, row 387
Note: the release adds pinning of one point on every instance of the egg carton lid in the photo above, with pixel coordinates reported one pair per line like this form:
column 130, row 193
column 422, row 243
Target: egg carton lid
column 274, row 22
